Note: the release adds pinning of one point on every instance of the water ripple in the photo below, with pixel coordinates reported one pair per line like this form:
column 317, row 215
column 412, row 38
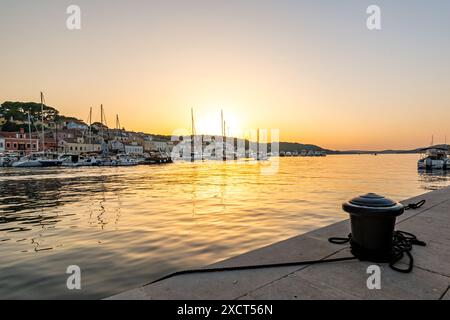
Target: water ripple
column 127, row 226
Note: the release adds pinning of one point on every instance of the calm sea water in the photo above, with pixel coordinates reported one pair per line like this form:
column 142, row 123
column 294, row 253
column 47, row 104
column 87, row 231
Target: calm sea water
column 127, row 226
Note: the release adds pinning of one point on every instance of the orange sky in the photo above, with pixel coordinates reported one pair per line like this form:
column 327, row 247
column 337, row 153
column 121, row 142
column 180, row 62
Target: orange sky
column 312, row 70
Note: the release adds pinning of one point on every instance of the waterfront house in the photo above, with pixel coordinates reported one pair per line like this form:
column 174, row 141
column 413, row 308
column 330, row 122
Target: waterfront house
column 97, row 126
column 19, row 142
column 116, row 146
column 72, row 124
column 157, row 146
column 78, row 146
column 68, row 134
column 134, row 149
column 50, row 144
column 78, row 125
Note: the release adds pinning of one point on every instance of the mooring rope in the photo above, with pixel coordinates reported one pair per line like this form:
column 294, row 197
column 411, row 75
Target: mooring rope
column 402, row 244
column 415, row 205
column 252, row 267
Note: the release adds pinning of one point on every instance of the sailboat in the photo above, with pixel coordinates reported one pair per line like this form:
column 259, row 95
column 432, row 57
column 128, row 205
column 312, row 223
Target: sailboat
column 38, row 159
column 46, row 159
column 30, row 160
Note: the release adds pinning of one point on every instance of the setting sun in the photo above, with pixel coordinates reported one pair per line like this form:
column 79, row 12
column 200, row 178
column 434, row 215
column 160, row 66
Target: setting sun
column 198, row 149
column 209, row 123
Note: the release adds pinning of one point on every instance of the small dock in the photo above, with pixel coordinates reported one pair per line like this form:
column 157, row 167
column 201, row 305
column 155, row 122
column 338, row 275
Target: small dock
column 429, row 280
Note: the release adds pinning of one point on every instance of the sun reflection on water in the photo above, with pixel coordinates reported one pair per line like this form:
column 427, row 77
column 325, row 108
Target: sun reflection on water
column 127, row 226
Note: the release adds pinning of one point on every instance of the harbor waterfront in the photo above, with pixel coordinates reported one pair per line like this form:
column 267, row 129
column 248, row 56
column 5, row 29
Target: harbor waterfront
column 339, row 276
column 126, row 226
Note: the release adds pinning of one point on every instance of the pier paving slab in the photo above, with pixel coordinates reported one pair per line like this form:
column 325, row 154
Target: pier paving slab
column 447, row 295
column 347, row 280
column 229, row 285
column 433, row 227
column 340, row 280
column 311, row 246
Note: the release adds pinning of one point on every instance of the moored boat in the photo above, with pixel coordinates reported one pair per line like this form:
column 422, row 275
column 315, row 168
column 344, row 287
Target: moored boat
column 28, row 162
column 157, row 157
column 434, row 158
column 7, row 159
column 75, row 160
column 124, row 160
column 49, row 159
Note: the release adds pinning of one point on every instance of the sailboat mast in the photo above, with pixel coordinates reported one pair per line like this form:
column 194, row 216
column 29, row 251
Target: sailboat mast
column 119, row 130
column 101, row 119
column 193, row 122
column 90, row 123
column 29, row 131
column 42, row 122
column 257, row 144
column 90, row 128
column 221, row 121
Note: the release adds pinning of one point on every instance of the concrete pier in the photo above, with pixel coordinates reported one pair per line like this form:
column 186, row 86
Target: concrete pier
column 430, row 278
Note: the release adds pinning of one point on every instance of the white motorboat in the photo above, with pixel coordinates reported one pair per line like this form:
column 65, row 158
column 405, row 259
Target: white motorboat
column 124, row 160
column 28, row 162
column 434, row 158
column 7, row 159
column 75, row 160
column 37, row 160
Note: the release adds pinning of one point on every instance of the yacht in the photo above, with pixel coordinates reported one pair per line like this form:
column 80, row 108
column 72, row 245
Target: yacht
column 155, row 157
column 75, row 160
column 124, row 160
column 41, row 159
column 29, row 161
column 37, row 160
column 7, row 159
column 434, row 158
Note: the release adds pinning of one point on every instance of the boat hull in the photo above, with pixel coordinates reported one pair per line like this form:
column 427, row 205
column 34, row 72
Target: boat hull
column 27, row 164
column 50, row 163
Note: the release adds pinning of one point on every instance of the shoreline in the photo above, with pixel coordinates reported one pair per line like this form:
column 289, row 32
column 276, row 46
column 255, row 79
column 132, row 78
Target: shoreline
column 343, row 280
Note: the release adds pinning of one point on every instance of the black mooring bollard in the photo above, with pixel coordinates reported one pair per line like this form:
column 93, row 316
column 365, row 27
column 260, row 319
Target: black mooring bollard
column 372, row 222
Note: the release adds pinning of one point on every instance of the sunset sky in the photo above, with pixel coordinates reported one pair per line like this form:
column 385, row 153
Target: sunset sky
column 310, row 68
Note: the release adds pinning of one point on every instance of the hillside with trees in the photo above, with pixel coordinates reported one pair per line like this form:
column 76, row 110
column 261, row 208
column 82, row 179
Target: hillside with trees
column 15, row 114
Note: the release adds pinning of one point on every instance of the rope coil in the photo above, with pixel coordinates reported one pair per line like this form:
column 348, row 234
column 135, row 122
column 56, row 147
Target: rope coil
column 402, row 245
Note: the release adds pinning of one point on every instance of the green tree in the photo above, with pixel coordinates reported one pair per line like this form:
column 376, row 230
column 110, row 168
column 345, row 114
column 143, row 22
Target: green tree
column 19, row 111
